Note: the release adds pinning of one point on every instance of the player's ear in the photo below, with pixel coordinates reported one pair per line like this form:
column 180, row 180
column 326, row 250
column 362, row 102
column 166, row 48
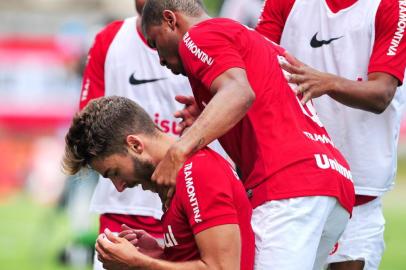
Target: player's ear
column 169, row 18
column 135, row 144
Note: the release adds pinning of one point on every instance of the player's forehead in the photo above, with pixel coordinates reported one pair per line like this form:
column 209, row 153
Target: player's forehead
column 107, row 163
column 151, row 35
column 154, row 31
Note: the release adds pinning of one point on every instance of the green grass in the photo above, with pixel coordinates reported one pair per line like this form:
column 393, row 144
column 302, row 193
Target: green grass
column 395, row 214
column 213, row 6
column 32, row 236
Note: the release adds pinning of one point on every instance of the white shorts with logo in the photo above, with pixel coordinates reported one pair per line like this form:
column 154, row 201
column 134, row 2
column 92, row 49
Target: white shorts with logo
column 363, row 239
column 297, row 233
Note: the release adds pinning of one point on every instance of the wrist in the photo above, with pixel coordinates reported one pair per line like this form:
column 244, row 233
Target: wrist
column 333, row 85
column 141, row 262
column 179, row 152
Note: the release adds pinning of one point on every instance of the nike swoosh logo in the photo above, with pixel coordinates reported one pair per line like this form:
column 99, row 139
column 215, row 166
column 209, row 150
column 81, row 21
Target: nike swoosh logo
column 315, row 43
column 135, row 81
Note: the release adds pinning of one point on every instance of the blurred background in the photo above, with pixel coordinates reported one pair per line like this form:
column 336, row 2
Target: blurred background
column 44, row 217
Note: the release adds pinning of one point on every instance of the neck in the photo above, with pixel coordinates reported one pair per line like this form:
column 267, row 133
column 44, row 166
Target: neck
column 160, row 145
column 186, row 22
column 138, row 24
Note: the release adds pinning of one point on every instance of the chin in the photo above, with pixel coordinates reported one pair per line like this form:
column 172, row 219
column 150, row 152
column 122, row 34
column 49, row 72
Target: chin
column 174, row 71
column 151, row 188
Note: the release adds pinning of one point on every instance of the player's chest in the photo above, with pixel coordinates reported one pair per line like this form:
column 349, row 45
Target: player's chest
column 177, row 231
column 202, row 94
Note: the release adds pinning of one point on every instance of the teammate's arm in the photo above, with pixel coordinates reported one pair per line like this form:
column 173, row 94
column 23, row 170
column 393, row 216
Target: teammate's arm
column 232, row 97
column 385, row 71
column 373, row 95
column 219, row 247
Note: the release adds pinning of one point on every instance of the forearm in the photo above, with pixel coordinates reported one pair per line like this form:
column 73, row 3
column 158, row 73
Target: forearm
column 372, row 95
column 223, row 112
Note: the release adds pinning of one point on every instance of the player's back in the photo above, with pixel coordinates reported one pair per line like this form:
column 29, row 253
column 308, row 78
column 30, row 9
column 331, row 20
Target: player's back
column 276, row 121
column 278, row 134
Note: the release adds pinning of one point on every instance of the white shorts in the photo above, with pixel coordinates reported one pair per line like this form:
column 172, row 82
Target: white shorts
column 363, row 239
column 297, row 233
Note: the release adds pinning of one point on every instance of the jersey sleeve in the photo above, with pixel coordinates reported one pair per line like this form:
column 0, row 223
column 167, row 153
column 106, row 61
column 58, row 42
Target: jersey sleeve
column 205, row 196
column 207, row 54
column 273, row 18
column 389, row 52
column 93, row 77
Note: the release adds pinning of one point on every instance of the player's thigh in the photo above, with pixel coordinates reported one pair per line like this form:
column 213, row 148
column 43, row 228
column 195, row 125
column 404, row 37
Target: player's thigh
column 363, row 238
column 288, row 232
column 333, row 229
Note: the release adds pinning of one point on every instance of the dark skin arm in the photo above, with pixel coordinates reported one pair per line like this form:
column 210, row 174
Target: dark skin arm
column 232, row 97
column 373, row 95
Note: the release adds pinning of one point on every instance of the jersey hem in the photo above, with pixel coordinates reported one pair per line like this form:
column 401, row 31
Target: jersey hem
column 259, row 200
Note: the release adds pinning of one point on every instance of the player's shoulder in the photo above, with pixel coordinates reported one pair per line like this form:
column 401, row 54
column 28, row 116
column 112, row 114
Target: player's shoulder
column 206, row 164
column 204, row 158
column 390, row 7
column 107, row 34
column 215, row 25
column 111, row 28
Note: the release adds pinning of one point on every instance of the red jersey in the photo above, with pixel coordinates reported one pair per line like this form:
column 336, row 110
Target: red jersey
column 208, row 194
column 280, row 146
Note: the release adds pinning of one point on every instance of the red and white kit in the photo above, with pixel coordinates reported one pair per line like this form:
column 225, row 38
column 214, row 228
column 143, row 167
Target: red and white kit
column 280, row 146
column 351, row 39
column 208, row 194
column 120, row 63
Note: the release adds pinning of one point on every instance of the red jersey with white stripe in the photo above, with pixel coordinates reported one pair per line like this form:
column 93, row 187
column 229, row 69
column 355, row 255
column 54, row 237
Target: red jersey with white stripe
column 350, row 39
column 278, row 136
column 208, row 194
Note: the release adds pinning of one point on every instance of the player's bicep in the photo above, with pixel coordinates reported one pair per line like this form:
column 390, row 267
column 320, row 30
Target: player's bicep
column 220, row 246
column 234, row 79
column 389, row 51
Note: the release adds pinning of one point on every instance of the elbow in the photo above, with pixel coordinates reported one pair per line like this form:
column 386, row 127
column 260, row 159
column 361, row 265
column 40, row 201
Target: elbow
column 250, row 98
column 382, row 102
column 378, row 109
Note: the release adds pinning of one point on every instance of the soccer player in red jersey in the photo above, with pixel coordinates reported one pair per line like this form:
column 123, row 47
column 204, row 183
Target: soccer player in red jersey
column 206, row 224
column 299, row 184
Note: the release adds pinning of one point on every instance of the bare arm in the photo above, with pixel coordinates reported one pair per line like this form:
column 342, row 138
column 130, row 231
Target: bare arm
column 219, row 247
column 232, row 97
column 373, row 95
